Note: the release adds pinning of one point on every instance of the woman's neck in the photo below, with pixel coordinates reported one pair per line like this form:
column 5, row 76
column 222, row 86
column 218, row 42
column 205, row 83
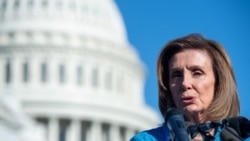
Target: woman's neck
column 196, row 118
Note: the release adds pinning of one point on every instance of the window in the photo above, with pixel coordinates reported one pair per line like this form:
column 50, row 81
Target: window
column 61, row 73
column 44, row 72
column 79, row 77
column 8, row 73
column 95, row 77
column 16, row 4
column 25, row 72
column 3, row 5
column 30, row 4
column 44, row 3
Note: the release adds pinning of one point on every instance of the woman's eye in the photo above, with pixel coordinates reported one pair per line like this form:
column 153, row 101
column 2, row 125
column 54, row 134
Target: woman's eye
column 197, row 73
column 176, row 74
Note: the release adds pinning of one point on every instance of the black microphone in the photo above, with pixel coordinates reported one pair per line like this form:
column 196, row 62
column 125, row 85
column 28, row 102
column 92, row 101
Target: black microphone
column 237, row 127
column 176, row 124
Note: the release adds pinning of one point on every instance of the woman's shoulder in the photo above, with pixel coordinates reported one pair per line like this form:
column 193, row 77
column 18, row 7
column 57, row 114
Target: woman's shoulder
column 160, row 133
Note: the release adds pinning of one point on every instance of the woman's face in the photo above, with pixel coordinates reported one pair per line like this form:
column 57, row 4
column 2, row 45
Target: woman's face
column 192, row 81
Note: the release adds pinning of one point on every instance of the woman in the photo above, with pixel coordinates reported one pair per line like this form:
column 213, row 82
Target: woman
column 195, row 76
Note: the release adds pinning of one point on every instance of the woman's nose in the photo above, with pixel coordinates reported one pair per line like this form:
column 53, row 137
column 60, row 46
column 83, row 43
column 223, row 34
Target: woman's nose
column 186, row 82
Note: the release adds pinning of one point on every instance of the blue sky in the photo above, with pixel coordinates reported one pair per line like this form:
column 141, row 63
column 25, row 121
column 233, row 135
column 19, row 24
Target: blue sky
column 152, row 23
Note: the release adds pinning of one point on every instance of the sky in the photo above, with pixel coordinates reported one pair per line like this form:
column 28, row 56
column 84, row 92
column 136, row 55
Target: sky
column 150, row 24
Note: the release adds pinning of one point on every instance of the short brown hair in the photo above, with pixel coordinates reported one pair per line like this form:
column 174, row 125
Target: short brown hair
column 225, row 103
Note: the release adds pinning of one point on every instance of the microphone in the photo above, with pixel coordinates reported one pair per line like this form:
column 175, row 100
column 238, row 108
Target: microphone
column 236, row 127
column 176, row 124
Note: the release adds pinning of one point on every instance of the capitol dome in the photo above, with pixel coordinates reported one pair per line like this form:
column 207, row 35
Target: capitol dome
column 73, row 68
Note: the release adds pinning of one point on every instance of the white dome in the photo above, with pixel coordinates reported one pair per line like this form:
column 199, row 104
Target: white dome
column 80, row 18
column 70, row 63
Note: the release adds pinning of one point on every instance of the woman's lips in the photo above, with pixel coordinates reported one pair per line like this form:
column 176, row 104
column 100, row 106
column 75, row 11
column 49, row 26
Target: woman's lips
column 187, row 99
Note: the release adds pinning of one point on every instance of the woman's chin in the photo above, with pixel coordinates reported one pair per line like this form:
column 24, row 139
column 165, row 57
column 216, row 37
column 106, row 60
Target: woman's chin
column 191, row 109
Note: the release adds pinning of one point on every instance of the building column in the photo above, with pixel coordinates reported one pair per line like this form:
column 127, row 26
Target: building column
column 53, row 131
column 74, row 133
column 115, row 133
column 129, row 133
column 95, row 131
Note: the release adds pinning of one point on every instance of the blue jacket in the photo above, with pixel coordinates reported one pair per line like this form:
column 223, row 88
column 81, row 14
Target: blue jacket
column 161, row 133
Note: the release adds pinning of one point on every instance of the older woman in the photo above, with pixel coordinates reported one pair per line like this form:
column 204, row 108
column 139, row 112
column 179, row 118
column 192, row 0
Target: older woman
column 195, row 76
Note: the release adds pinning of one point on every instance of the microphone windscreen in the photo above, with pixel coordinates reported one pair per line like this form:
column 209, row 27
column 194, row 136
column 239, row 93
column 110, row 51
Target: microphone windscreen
column 175, row 122
column 229, row 134
column 170, row 112
column 240, row 124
